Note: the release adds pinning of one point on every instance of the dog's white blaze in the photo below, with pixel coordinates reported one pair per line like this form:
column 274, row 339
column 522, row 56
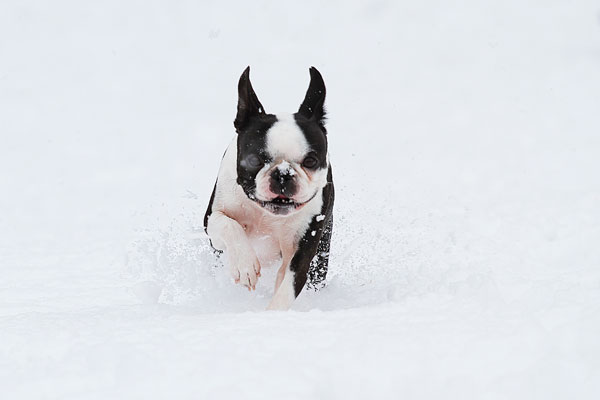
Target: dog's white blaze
column 285, row 139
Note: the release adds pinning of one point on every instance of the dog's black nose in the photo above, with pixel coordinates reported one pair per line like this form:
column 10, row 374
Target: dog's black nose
column 283, row 182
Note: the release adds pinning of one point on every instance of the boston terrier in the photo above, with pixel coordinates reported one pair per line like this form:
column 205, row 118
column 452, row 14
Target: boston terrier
column 273, row 199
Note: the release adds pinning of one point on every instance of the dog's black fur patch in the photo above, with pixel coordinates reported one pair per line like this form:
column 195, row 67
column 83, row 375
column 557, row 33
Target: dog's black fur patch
column 252, row 141
column 312, row 258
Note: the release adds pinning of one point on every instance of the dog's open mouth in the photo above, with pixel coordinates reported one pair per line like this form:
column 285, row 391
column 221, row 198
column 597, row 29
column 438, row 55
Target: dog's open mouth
column 283, row 201
column 280, row 205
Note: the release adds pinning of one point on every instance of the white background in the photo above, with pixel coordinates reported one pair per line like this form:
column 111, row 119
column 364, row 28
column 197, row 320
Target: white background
column 465, row 142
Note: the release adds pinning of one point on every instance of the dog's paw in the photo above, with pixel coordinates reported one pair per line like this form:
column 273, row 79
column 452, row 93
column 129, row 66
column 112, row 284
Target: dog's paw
column 245, row 268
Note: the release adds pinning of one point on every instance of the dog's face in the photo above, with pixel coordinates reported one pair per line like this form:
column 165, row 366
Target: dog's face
column 282, row 160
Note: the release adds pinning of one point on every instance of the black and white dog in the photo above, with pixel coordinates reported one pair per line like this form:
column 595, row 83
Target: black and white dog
column 273, row 199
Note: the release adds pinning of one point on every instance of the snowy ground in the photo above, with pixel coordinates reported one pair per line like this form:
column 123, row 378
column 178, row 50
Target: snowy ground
column 466, row 149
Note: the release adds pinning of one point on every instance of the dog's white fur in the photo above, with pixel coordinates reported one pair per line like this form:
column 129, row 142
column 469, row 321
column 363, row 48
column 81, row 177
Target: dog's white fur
column 251, row 236
column 285, row 139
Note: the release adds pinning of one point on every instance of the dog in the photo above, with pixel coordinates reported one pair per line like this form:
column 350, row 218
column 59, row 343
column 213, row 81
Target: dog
column 273, row 198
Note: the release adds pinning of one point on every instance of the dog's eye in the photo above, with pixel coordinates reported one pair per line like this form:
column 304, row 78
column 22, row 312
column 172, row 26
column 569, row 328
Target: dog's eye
column 310, row 162
column 254, row 161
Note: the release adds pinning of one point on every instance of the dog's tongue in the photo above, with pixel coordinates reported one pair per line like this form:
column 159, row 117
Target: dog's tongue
column 282, row 197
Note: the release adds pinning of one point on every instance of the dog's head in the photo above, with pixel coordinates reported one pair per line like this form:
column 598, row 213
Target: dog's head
column 282, row 160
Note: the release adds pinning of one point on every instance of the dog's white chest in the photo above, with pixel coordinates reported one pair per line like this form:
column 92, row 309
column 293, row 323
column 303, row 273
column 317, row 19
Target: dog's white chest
column 266, row 246
column 270, row 236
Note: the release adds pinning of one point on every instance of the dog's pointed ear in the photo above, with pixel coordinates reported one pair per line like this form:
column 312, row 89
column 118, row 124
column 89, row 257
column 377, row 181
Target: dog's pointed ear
column 313, row 105
column 248, row 104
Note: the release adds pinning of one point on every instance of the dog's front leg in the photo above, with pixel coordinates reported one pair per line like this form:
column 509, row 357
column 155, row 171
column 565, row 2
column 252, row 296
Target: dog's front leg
column 228, row 235
column 293, row 273
column 284, row 287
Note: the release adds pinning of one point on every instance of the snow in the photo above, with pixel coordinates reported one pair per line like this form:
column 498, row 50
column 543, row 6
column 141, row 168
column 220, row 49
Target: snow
column 284, row 167
column 465, row 150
